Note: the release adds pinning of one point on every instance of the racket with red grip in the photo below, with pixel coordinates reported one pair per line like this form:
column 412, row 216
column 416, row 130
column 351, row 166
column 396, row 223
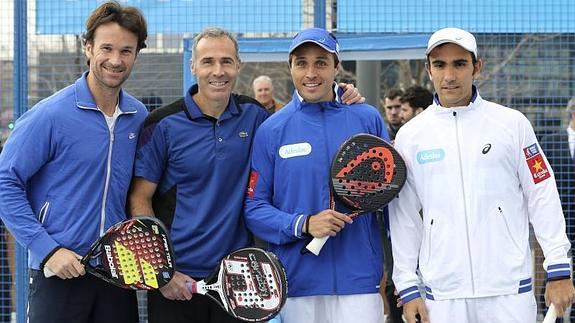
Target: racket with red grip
column 133, row 254
column 249, row 284
column 366, row 174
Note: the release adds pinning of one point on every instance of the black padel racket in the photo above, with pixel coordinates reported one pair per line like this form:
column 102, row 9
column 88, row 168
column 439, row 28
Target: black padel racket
column 250, row 284
column 366, row 174
column 133, row 254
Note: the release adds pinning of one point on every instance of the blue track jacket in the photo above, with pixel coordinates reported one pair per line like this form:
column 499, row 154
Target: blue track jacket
column 291, row 160
column 64, row 177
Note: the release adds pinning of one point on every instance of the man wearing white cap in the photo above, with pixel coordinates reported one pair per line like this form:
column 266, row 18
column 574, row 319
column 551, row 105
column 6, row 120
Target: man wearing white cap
column 476, row 170
column 288, row 197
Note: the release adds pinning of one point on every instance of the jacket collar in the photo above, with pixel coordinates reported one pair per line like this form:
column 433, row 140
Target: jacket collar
column 300, row 103
column 85, row 99
column 476, row 100
column 195, row 112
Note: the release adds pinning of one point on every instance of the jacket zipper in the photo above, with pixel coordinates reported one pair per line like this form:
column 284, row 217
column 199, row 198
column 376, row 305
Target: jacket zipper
column 429, row 242
column 107, row 184
column 327, row 154
column 464, row 203
column 508, row 229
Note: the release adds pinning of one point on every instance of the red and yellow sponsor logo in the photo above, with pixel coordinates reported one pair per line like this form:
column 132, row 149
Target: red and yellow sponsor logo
column 538, row 168
column 252, row 184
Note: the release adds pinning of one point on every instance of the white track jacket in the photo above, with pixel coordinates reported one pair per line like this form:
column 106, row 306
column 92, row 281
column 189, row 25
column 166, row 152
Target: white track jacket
column 480, row 177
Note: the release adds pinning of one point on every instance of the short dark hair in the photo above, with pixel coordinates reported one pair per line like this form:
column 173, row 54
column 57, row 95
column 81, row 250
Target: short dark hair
column 130, row 18
column 417, row 97
column 393, row 93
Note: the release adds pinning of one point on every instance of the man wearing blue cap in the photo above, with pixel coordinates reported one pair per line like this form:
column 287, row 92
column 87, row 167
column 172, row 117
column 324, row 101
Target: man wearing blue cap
column 476, row 170
column 288, row 198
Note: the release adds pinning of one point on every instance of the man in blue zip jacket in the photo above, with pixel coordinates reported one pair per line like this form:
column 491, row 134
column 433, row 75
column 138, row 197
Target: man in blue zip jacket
column 65, row 173
column 288, row 196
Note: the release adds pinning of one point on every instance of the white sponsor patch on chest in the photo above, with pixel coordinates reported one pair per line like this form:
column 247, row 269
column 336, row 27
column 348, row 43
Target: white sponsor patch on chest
column 295, row 150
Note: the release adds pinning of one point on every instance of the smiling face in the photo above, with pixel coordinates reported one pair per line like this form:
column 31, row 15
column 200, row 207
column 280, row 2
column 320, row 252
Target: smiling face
column 216, row 68
column 313, row 71
column 451, row 69
column 112, row 55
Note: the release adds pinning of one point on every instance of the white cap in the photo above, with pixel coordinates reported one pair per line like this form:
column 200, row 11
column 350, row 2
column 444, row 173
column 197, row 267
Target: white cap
column 452, row 35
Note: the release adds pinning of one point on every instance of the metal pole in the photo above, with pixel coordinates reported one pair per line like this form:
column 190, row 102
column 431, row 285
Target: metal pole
column 20, row 106
column 368, row 81
column 319, row 13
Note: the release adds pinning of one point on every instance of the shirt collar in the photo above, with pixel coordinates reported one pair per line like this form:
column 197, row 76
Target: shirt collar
column 196, row 112
column 335, row 91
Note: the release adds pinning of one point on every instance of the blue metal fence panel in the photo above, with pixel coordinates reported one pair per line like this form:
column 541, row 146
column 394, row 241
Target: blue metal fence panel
column 179, row 16
column 487, row 16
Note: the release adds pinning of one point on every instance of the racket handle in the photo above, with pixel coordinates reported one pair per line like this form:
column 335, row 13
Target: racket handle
column 197, row 287
column 316, row 244
column 551, row 314
column 48, row 273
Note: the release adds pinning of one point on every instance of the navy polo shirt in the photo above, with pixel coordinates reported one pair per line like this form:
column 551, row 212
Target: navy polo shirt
column 201, row 166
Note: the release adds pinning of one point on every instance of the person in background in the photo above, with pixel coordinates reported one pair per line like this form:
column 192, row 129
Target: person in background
column 414, row 100
column 392, row 109
column 65, row 172
column 476, row 170
column 559, row 148
column 264, row 93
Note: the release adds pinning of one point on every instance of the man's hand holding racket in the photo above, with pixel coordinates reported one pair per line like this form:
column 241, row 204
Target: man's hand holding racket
column 561, row 294
column 326, row 223
column 65, row 264
column 177, row 289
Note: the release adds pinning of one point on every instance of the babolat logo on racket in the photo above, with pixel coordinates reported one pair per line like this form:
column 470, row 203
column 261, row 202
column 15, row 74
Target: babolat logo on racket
column 110, row 261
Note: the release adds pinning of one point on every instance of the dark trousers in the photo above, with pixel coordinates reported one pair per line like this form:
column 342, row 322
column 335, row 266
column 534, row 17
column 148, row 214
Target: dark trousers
column 85, row 299
column 200, row 309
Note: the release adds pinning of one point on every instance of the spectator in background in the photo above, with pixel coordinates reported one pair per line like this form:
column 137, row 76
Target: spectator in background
column 264, row 93
column 151, row 101
column 392, row 108
column 414, row 100
column 560, row 150
column 65, row 172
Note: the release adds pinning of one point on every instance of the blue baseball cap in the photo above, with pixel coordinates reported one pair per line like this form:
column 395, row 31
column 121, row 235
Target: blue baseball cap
column 318, row 36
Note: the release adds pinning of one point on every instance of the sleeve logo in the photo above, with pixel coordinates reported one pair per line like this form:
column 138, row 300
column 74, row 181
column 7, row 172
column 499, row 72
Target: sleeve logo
column 252, row 184
column 536, row 164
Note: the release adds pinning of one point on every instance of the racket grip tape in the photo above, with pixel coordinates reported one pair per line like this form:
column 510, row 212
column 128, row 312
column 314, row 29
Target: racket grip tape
column 48, row 273
column 551, row 315
column 316, row 244
column 192, row 287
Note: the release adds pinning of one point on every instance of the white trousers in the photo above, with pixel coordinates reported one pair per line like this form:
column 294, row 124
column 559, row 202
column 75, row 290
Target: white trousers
column 362, row 308
column 519, row 308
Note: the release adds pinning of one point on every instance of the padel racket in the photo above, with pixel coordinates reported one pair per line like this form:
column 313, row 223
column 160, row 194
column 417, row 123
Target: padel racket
column 551, row 314
column 366, row 174
column 133, row 254
column 250, row 284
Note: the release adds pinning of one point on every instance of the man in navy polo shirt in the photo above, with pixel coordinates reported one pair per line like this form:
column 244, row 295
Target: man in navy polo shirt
column 192, row 168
